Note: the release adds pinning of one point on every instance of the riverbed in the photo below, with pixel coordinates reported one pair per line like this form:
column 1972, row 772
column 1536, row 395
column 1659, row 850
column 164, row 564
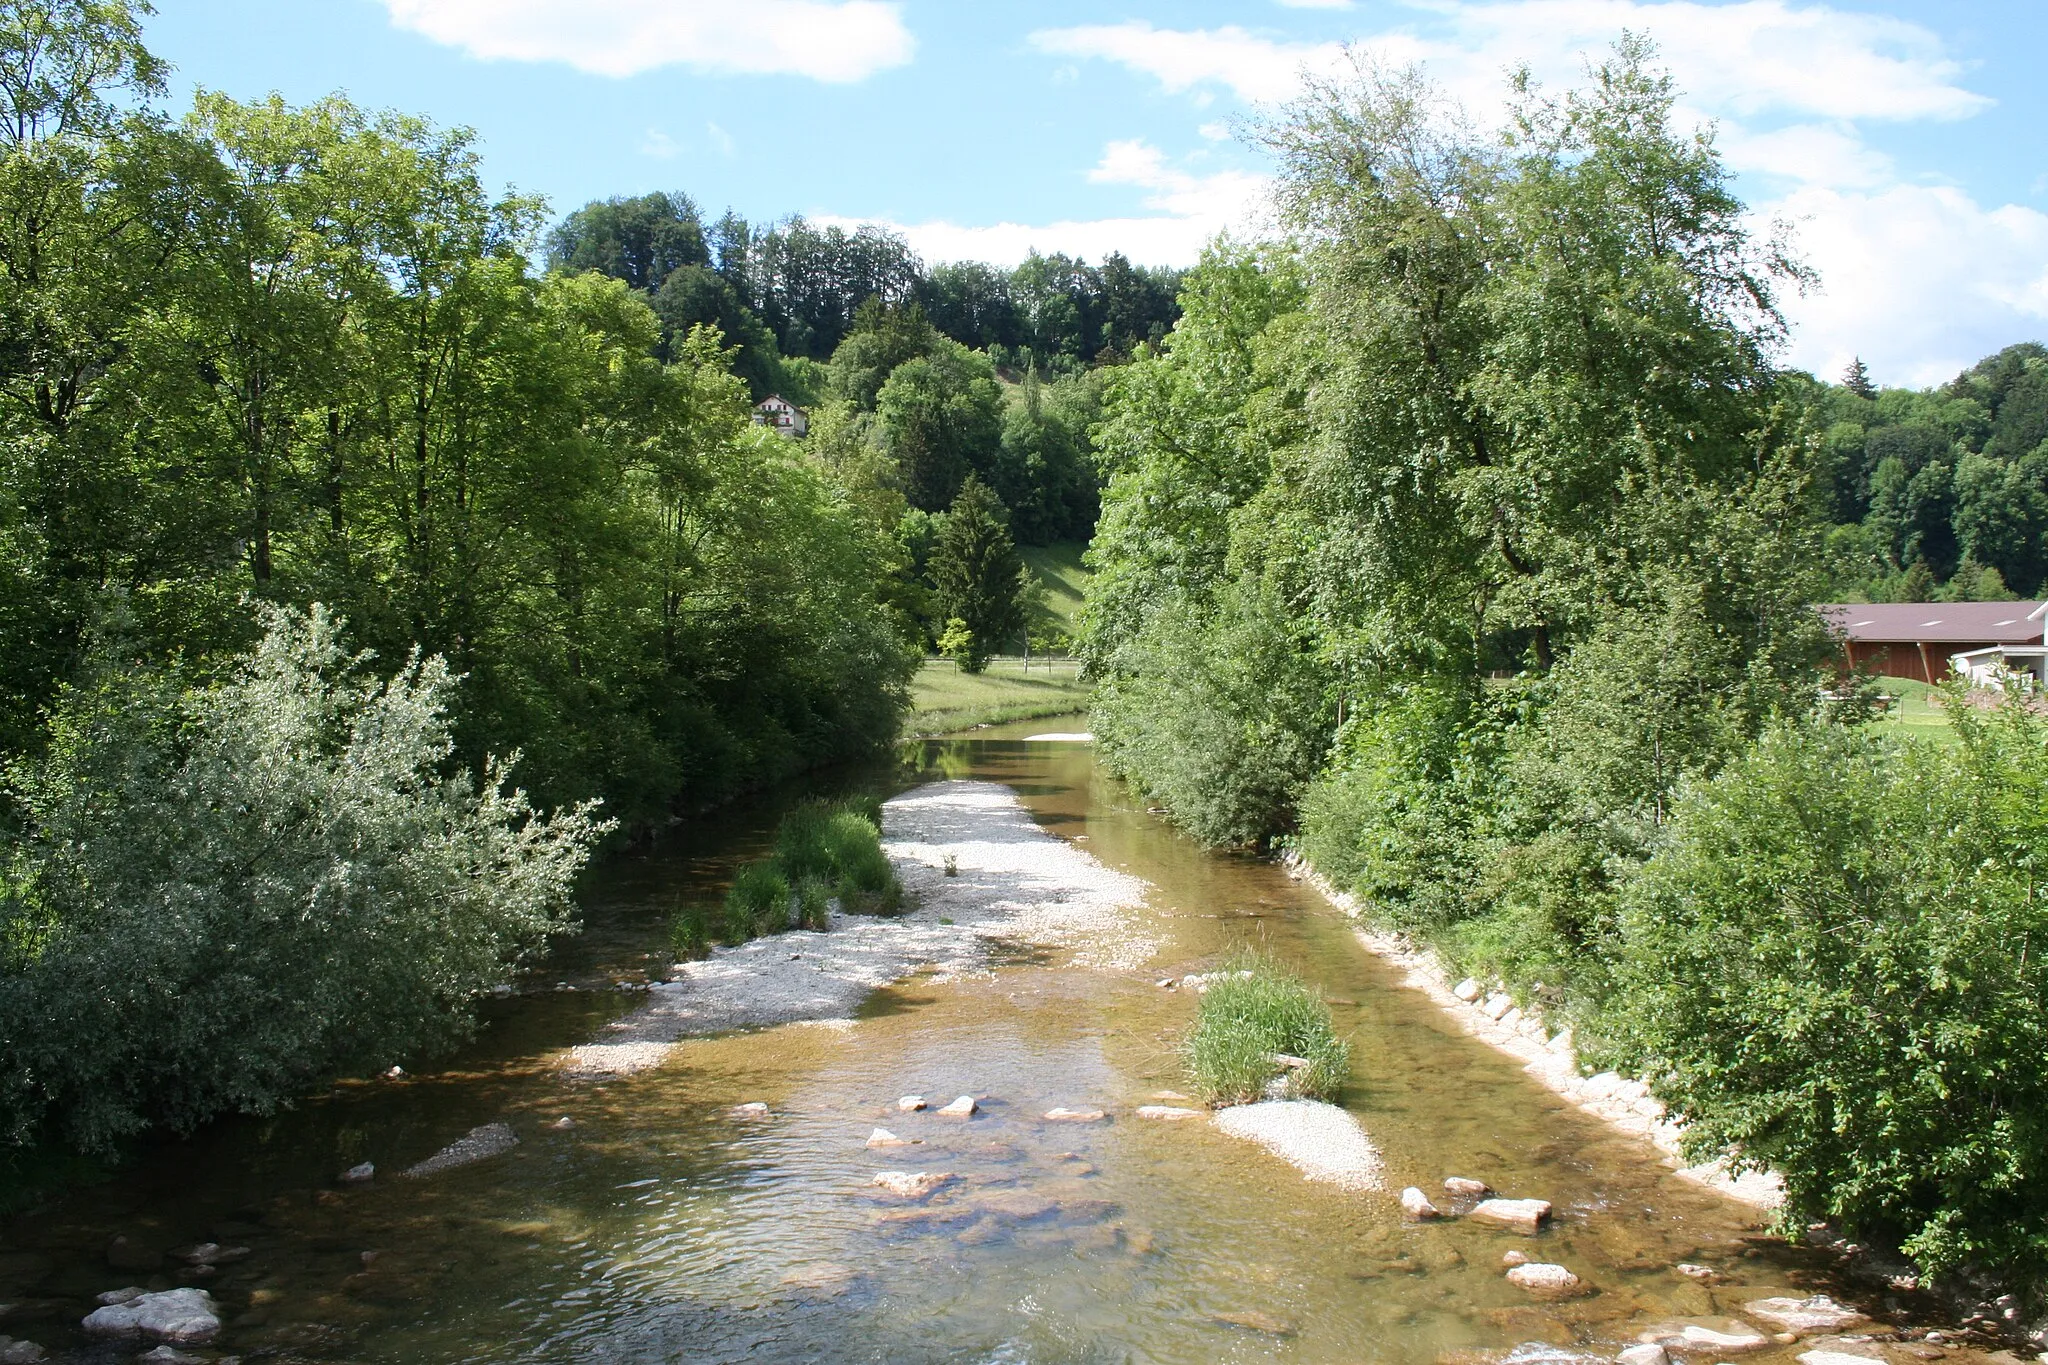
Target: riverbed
column 661, row 1222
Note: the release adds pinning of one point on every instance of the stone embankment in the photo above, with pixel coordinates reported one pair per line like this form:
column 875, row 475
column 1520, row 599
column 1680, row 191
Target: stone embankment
column 1495, row 1019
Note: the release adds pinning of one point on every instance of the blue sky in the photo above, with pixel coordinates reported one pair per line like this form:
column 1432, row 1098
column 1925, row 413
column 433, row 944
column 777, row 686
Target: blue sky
column 1900, row 139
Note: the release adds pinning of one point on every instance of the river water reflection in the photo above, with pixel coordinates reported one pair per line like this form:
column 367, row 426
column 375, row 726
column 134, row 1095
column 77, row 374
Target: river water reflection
column 659, row 1228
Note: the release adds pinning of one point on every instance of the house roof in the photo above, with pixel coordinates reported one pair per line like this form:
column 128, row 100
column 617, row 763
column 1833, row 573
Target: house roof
column 2011, row 623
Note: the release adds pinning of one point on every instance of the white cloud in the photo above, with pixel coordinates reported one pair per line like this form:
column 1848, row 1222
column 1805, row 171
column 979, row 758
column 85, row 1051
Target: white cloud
column 1809, row 154
column 1748, row 58
column 826, row 40
column 659, row 145
column 1190, row 211
column 1921, row 281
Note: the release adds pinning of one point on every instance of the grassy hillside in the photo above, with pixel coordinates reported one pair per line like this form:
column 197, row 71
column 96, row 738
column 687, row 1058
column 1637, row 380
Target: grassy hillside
column 1059, row 567
column 943, row 699
column 1914, row 712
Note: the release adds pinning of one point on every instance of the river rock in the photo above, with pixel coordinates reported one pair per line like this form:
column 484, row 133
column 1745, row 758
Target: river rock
column 1497, row 1005
column 169, row 1355
column 357, row 1174
column 1466, row 1188
column 210, row 1253
column 1514, row 1258
column 913, row 1184
column 882, row 1137
column 1545, row 1280
column 563, row 1124
column 14, row 1352
column 960, row 1108
column 1016, row 1206
column 1415, row 1204
column 1167, row 1113
column 1696, row 1272
column 118, row 1296
column 1253, row 1320
column 1075, row 1115
column 910, row 1104
column 1467, row 990
column 1645, row 1353
column 1817, row 1314
column 176, row 1315
column 1727, row 1335
column 1839, row 1358
column 752, row 1109
column 132, row 1253
column 478, row 1144
column 1522, row 1215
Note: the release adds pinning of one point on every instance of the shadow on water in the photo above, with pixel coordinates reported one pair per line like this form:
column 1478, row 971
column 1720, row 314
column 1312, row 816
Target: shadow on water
column 660, row 1227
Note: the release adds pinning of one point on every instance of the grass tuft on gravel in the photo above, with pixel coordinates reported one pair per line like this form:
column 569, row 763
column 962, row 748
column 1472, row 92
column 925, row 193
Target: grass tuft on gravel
column 1254, row 1012
column 822, row 850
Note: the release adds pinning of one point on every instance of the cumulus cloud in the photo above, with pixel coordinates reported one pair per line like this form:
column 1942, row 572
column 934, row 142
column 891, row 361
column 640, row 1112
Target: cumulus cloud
column 1921, row 281
column 826, row 40
column 1189, row 211
column 1748, row 58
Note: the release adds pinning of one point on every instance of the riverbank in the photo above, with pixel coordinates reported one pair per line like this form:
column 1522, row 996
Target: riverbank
column 1490, row 1016
column 976, row 872
column 944, row 700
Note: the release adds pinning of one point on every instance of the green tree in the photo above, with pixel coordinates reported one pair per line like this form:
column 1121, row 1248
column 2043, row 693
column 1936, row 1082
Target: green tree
column 640, row 240
column 940, row 417
column 977, row 573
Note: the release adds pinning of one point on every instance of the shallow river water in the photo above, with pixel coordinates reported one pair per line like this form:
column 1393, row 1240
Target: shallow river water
column 659, row 1228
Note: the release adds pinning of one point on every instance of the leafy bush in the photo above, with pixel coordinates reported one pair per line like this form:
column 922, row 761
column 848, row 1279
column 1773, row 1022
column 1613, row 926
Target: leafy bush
column 226, row 893
column 757, row 903
column 1218, row 712
column 1829, row 969
column 1252, row 1011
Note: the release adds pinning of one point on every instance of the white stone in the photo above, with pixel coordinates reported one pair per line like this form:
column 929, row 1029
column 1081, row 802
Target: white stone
column 1466, row 990
column 177, row 1315
column 1416, row 1205
column 1548, row 1281
column 1707, row 1334
column 128, row 1295
column 1320, row 1140
column 1562, row 1043
column 169, row 1355
column 356, row 1175
column 882, row 1137
column 1464, row 1187
column 1600, row 1087
column 1063, row 1115
column 1523, row 1215
column 913, row 1184
column 752, row 1109
column 14, row 1352
column 960, row 1108
column 1497, row 1005
column 1695, row 1272
column 1645, row 1354
column 910, row 1104
column 478, row 1144
column 1167, row 1113
column 1817, row 1314
column 1513, row 1258
column 1837, row 1358
column 1512, row 1018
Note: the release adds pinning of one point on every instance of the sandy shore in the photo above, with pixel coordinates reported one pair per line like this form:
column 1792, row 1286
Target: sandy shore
column 1014, row 883
column 1617, row 1100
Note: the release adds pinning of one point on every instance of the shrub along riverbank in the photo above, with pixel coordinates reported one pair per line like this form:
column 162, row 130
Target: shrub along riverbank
column 1465, row 536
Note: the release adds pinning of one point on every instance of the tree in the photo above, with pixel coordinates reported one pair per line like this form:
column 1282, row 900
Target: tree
column 1856, row 379
column 977, row 573
column 641, row 241
column 940, row 416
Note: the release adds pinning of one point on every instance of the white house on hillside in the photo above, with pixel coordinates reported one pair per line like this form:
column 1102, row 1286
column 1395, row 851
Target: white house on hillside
column 785, row 416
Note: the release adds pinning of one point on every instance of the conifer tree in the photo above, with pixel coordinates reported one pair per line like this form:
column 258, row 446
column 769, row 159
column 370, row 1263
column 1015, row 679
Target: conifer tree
column 977, row 572
column 1856, row 379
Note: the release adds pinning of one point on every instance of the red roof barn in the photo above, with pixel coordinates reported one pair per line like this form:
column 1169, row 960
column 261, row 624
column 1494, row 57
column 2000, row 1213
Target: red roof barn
column 1919, row 639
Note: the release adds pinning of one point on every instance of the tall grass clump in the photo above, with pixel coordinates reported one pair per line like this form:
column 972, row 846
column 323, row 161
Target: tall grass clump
column 757, row 904
column 823, row 850
column 1253, row 1012
column 689, row 933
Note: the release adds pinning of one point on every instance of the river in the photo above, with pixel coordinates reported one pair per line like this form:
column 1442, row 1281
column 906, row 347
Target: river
column 659, row 1228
